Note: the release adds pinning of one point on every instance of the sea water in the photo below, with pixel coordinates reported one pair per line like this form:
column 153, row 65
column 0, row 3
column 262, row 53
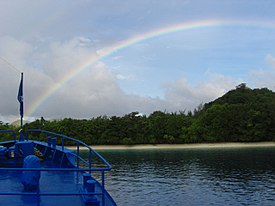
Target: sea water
column 213, row 176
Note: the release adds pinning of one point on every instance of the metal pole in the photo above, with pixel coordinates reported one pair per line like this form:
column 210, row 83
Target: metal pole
column 103, row 187
column 77, row 155
column 21, row 124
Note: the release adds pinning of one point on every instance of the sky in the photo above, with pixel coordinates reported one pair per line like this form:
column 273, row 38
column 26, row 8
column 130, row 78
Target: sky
column 87, row 58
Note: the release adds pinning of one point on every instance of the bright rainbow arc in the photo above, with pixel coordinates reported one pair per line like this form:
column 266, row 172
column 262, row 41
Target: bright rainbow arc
column 136, row 39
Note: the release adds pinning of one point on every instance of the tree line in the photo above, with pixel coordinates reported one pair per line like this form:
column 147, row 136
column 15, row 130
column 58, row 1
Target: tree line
column 241, row 115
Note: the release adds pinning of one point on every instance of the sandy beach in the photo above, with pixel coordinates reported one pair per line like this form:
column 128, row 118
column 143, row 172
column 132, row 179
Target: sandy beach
column 181, row 146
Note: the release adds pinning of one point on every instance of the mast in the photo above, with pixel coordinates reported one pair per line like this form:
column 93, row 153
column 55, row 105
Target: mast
column 20, row 99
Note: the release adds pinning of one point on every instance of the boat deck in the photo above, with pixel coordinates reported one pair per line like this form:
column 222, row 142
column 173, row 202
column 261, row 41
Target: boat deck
column 55, row 182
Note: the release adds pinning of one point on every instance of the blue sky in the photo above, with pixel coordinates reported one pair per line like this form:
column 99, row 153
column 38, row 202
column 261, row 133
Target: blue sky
column 171, row 72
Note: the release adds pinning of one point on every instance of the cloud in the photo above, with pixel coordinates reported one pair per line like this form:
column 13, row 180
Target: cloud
column 182, row 96
column 93, row 92
column 264, row 77
column 116, row 58
column 125, row 77
column 270, row 60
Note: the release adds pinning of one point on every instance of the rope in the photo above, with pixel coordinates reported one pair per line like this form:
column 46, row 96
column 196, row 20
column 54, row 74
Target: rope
column 10, row 65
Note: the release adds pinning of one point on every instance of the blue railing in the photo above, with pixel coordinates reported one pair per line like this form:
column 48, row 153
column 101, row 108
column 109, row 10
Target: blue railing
column 79, row 145
column 86, row 166
column 77, row 155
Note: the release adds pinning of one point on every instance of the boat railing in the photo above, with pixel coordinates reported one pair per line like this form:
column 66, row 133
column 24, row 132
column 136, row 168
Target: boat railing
column 91, row 160
column 94, row 162
column 81, row 163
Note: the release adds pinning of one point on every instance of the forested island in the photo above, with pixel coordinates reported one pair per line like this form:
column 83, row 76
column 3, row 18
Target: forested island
column 241, row 115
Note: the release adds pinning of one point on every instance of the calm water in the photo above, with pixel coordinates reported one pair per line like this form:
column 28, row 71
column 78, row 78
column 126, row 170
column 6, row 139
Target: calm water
column 243, row 176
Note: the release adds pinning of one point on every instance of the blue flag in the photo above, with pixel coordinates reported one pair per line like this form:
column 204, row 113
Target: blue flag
column 20, row 96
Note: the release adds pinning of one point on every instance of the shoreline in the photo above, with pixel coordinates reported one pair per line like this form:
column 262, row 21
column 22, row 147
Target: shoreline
column 180, row 146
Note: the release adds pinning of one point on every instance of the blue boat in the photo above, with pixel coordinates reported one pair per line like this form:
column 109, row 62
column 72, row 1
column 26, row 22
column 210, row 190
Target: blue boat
column 43, row 172
column 36, row 168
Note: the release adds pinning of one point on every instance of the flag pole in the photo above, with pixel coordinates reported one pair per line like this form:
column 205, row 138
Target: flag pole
column 21, row 103
column 20, row 100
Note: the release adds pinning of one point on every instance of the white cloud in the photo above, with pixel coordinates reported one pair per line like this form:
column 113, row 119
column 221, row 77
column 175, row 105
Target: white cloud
column 125, row 77
column 93, row 92
column 270, row 60
column 182, row 96
column 117, row 57
column 264, row 77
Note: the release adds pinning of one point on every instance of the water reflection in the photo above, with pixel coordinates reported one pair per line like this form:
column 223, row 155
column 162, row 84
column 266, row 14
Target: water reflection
column 192, row 176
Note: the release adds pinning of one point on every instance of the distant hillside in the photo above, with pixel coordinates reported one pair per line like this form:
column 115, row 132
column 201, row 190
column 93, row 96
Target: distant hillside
column 241, row 115
column 18, row 122
column 245, row 95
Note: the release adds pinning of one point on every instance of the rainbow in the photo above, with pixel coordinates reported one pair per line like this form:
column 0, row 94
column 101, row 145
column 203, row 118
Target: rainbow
column 183, row 26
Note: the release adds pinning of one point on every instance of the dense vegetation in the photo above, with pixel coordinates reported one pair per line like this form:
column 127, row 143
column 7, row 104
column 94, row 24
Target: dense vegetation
column 241, row 115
